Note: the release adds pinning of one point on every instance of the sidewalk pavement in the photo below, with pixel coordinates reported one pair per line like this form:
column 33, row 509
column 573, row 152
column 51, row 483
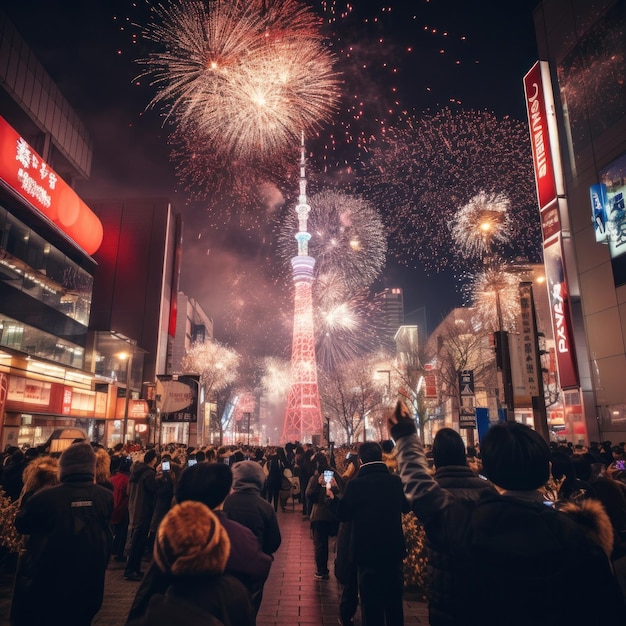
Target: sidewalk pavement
column 292, row 596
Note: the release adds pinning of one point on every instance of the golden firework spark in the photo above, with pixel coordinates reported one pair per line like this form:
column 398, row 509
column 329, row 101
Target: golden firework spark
column 251, row 76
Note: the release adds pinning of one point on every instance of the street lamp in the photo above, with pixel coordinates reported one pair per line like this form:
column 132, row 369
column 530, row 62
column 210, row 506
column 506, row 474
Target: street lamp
column 128, row 358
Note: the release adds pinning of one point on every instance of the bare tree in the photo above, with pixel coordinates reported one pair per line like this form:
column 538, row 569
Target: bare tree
column 217, row 365
column 461, row 344
column 408, row 373
column 349, row 394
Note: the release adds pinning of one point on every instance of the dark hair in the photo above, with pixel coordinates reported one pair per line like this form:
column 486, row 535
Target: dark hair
column 208, row 483
column 563, row 467
column 125, row 465
column 515, row 457
column 582, row 466
column 448, row 448
column 115, row 463
column 149, row 456
column 200, row 456
column 388, row 445
column 370, row 451
column 321, row 462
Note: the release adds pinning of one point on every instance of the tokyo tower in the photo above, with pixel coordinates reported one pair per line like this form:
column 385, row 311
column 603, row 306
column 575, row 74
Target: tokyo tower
column 303, row 417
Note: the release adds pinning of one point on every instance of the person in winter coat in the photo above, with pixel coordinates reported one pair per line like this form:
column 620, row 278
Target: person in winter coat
column 324, row 523
column 163, row 498
column 142, row 488
column 12, row 471
column 510, row 550
column 374, row 502
column 246, row 506
column 192, row 549
column 68, row 546
column 40, row 473
column 119, row 519
column 276, row 464
column 210, row 483
column 453, row 474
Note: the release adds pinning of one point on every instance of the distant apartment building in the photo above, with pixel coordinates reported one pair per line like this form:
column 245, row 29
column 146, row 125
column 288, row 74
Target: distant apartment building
column 392, row 305
column 192, row 325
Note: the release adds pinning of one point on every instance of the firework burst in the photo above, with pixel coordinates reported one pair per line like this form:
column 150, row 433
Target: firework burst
column 275, row 378
column 347, row 238
column 422, row 172
column 495, row 295
column 250, row 76
column 482, row 224
column 347, row 324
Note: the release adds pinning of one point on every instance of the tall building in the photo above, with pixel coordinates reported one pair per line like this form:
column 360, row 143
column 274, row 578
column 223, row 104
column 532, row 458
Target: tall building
column 47, row 238
column 303, row 417
column 85, row 291
column 576, row 103
column 192, row 325
column 134, row 311
column 393, row 315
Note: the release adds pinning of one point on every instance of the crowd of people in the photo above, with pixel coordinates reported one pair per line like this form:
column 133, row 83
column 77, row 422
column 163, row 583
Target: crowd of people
column 518, row 531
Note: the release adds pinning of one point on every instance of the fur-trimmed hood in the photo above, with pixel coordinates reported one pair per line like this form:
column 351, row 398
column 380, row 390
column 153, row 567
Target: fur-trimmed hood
column 590, row 515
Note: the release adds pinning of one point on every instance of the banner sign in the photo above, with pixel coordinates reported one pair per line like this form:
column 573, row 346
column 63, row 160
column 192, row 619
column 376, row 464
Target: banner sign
column 599, row 203
column 528, row 339
column 539, row 135
column 177, row 398
column 561, row 316
column 467, row 412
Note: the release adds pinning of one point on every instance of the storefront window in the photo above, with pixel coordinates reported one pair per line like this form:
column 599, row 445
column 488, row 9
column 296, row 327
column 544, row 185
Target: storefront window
column 19, row 336
column 32, row 265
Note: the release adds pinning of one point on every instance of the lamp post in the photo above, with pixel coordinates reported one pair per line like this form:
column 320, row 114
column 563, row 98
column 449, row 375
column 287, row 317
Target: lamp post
column 128, row 358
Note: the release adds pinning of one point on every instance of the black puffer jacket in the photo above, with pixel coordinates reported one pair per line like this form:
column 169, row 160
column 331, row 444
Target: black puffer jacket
column 510, row 556
column 465, row 486
column 67, row 552
column 246, row 506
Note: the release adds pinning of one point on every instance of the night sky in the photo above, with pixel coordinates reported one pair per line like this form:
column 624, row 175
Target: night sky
column 408, row 58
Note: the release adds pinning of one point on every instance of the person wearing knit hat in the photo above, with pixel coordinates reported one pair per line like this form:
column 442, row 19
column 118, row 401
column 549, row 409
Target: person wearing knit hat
column 192, row 549
column 246, row 505
column 68, row 545
column 191, row 540
column 209, row 484
column 79, row 458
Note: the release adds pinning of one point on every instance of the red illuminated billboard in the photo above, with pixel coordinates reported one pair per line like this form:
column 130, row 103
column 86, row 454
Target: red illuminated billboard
column 539, row 135
column 28, row 175
column 561, row 315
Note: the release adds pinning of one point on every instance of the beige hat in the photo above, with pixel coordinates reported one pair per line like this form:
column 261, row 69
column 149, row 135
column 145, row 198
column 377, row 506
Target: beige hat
column 191, row 540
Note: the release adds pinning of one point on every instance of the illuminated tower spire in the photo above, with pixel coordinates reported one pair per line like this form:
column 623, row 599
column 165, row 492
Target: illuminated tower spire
column 303, row 417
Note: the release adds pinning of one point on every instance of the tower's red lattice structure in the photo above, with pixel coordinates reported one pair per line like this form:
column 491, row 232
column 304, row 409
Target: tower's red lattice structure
column 303, row 417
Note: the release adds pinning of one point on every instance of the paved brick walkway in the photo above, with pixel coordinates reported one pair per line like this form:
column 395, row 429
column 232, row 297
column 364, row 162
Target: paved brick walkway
column 292, row 596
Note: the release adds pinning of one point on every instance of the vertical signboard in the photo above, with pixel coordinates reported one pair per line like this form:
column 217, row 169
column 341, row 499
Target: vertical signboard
column 553, row 209
column 599, row 202
column 467, row 411
column 540, row 136
column 561, row 315
column 528, row 340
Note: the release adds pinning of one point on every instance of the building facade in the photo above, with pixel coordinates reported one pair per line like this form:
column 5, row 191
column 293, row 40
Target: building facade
column 581, row 49
column 47, row 238
column 134, row 310
column 86, row 306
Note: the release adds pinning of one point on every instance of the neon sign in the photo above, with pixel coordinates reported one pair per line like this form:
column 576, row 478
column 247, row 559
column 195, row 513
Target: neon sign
column 28, row 175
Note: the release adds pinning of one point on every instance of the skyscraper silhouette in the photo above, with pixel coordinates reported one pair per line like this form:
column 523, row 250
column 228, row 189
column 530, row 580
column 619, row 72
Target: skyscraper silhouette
column 303, row 417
